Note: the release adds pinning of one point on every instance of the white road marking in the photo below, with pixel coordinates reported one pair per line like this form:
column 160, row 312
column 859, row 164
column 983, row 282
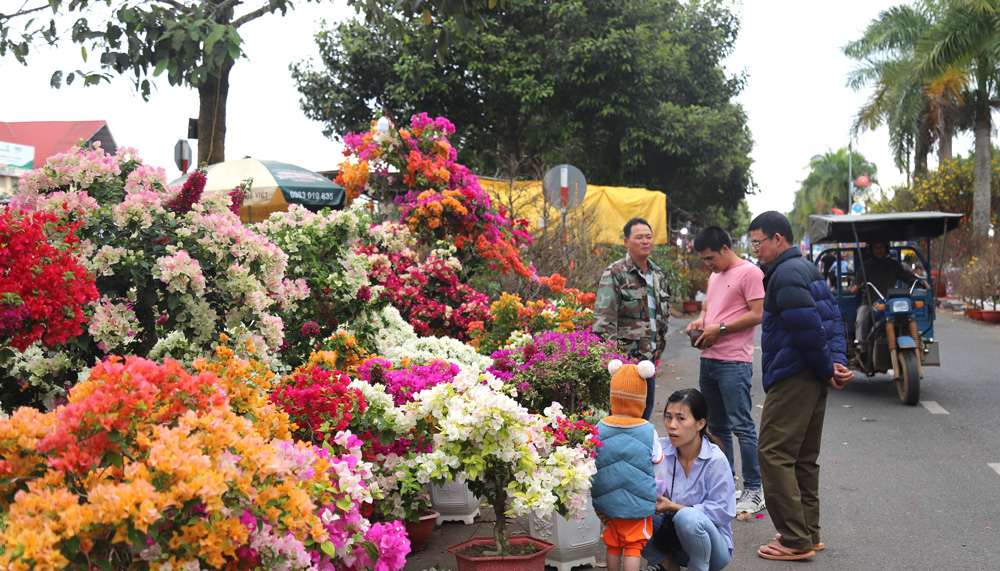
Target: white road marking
column 933, row 407
column 995, row 466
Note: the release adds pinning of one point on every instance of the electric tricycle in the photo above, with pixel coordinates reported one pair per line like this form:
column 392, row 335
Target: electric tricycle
column 901, row 340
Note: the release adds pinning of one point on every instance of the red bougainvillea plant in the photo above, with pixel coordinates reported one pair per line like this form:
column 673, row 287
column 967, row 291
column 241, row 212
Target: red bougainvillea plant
column 43, row 288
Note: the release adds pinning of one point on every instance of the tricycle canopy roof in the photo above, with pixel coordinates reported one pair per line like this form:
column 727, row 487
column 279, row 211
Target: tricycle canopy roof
column 832, row 228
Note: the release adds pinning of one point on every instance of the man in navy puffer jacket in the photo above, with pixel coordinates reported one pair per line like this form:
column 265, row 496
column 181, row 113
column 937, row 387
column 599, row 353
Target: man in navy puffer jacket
column 804, row 353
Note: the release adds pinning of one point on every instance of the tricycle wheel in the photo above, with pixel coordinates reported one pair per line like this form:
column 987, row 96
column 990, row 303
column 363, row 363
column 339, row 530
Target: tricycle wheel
column 908, row 383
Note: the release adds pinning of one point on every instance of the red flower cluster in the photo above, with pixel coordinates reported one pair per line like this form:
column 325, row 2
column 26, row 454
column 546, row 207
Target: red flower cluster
column 428, row 294
column 319, row 402
column 578, row 432
column 238, row 195
column 43, row 289
column 190, row 193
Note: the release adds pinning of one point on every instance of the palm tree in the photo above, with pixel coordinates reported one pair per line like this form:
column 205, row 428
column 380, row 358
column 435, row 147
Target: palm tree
column 946, row 109
column 827, row 186
column 901, row 100
column 965, row 37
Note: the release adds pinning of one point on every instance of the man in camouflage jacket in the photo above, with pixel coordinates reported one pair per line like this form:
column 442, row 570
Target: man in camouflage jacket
column 633, row 296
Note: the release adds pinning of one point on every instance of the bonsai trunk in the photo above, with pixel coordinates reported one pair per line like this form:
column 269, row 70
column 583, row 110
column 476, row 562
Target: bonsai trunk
column 500, row 540
column 212, row 96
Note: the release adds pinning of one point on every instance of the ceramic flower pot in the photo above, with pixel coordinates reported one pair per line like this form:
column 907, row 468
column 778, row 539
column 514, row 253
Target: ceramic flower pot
column 691, row 306
column 576, row 541
column 419, row 532
column 532, row 562
column 990, row 316
column 974, row 313
column 454, row 502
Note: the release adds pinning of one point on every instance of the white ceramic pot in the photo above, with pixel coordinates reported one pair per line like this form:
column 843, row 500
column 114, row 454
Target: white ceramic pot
column 454, row 502
column 577, row 542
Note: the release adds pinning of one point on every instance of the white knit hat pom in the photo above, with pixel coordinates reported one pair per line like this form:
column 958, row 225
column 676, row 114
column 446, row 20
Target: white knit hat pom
column 614, row 365
column 646, row 369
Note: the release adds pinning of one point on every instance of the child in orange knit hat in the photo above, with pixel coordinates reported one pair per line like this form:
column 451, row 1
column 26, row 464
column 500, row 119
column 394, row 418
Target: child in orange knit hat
column 624, row 488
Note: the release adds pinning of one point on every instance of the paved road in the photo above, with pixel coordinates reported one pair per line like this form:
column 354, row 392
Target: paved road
column 902, row 487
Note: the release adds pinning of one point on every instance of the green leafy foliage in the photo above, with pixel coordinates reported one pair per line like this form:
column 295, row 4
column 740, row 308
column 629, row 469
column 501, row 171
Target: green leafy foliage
column 634, row 90
column 827, row 185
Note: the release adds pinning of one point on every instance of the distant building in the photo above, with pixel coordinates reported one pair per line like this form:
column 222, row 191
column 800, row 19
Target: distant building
column 27, row 145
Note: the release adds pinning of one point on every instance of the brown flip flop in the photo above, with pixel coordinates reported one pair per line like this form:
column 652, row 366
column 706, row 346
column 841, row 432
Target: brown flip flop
column 787, row 553
column 816, row 546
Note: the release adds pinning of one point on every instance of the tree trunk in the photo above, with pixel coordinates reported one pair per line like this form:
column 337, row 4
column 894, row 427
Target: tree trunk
column 981, row 173
column 944, row 144
column 500, row 541
column 212, row 96
column 920, row 153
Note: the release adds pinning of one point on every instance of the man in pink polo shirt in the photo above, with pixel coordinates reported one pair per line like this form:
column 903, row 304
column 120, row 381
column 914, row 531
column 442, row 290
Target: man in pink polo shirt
column 733, row 307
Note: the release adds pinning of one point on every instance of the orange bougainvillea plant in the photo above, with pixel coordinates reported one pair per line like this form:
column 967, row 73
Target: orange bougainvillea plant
column 439, row 199
column 150, row 467
column 567, row 310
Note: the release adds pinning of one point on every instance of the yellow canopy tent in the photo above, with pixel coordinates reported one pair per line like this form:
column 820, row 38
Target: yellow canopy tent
column 611, row 206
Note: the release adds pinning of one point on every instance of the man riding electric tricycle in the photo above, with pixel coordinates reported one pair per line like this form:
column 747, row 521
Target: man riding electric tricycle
column 889, row 320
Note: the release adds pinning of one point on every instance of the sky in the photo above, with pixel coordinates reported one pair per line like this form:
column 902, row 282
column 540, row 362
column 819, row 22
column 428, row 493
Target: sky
column 796, row 96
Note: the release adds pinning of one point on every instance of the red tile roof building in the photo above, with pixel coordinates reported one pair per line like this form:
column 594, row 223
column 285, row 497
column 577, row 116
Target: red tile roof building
column 50, row 138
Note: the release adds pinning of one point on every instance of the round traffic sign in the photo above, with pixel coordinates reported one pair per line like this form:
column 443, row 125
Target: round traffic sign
column 564, row 186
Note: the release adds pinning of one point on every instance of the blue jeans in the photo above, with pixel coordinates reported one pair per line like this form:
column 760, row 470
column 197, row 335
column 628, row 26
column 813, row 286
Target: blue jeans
column 647, row 413
column 703, row 548
column 726, row 386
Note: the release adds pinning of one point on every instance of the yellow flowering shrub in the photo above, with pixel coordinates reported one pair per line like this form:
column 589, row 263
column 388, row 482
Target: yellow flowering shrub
column 949, row 188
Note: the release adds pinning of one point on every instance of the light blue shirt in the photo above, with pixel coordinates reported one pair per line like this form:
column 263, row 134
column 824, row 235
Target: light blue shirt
column 709, row 488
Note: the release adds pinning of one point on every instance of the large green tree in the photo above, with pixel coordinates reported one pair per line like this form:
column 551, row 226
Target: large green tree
column 966, row 37
column 827, row 186
column 631, row 91
column 194, row 42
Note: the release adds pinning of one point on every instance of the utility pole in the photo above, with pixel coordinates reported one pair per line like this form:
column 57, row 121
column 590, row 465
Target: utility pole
column 850, row 177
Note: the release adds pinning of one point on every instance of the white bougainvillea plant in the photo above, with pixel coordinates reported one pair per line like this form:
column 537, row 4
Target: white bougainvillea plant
column 484, row 437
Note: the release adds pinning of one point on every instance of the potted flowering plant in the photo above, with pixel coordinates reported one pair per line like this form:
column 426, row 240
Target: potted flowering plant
column 691, row 279
column 438, row 198
column 431, row 292
column 978, row 281
column 575, row 541
column 568, row 368
column 568, row 309
column 400, row 496
column 483, row 436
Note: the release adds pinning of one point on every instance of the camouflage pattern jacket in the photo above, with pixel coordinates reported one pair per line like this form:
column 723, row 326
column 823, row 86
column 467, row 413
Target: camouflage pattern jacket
column 621, row 310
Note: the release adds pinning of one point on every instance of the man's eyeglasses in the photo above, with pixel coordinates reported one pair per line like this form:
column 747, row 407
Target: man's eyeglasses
column 755, row 244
